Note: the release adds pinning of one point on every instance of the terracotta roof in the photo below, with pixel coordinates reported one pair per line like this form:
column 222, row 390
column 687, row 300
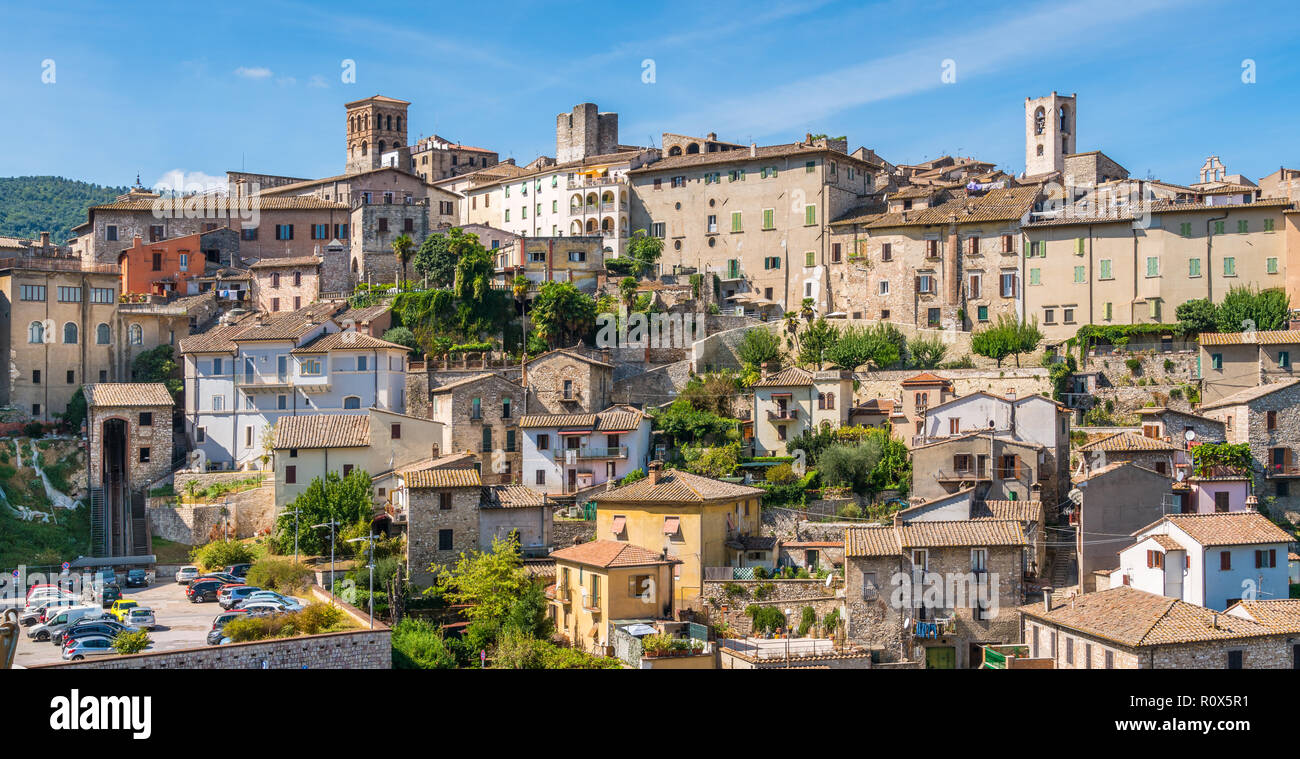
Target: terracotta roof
column 443, row 478
column 788, row 150
column 791, row 376
column 1020, row 511
column 926, row 378
column 367, row 314
column 262, row 202
column 862, row 214
column 1135, row 618
column 1167, row 543
column 1267, row 337
column 876, row 406
column 1128, row 441
column 677, row 486
column 323, row 431
column 557, row 420
column 1009, row 204
column 1156, row 207
column 572, row 354
column 619, row 419
column 287, row 326
column 276, row 263
column 215, row 340
column 1280, row 615
column 347, row 340
column 871, row 540
column 1231, row 528
column 515, row 497
column 128, row 394
column 463, row 381
column 1250, row 394
column 610, row 553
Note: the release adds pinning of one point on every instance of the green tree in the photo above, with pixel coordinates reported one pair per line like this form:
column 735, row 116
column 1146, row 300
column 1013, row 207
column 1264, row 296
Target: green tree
column 488, row 581
column 718, row 461
column 684, row 424
column 75, row 413
column 1244, row 306
column 882, row 345
column 627, row 290
column 418, row 644
column 645, row 250
column 1006, row 337
column 759, row 346
column 346, row 500
column 927, row 352
column 403, row 247
column 438, row 254
column 849, row 465
column 712, row 393
column 818, row 338
column 402, row 336
column 1197, row 316
column 158, row 365
column 562, row 314
column 131, row 642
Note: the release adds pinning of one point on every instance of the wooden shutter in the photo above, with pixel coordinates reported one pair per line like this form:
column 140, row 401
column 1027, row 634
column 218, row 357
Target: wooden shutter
column 1272, row 557
column 1225, row 560
column 1259, row 559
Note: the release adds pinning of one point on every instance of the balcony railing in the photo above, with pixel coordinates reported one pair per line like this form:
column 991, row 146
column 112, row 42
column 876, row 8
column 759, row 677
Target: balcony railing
column 959, row 475
column 1278, row 471
column 783, row 415
column 257, row 379
column 593, row 452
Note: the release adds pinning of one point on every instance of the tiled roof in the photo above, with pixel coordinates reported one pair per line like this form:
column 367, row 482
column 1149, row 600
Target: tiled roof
column 788, row 150
column 1168, row 543
column 1250, row 394
column 876, row 406
column 217, row 339
column 926, row 378
column 128, row 394
column 1267, row 337
column 287, row 326
column 1156, row 207
column 471, row 379
column 347, row 340
column 262, row 202
column 1128, row 441
column 572, row 354
column 1135, row 618
column 1009, row 204
column 610, row 553
column 1231, row 528
column 619, row 419
column 862, row 214
column 323, row 431
column 1281, row 615
column 791, row 376
column 367, row 314
column 285, row 191
column 1020, row 511
column 532, row 421
column 443, row 478
column 277, row 263
column 515, row 497
column 677, row 486
column 872, row 540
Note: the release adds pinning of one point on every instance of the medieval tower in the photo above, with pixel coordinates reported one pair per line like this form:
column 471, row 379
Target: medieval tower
column 1049, row 132
column 585, row 132
column 376, row 125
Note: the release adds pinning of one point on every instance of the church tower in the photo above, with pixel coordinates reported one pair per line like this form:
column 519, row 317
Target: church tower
column 375, row 125
column 1049, row 132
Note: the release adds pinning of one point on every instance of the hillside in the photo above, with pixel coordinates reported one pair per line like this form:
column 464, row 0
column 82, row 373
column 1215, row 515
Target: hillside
column 31, row 205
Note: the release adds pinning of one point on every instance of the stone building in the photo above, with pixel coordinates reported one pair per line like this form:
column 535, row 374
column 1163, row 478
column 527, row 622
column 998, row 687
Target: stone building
column 1126, row 628
column 578, row 260
column 374, row 228
column 566, row 381
column 480, row 416
column 999, row 467
column 956, row 583
column 1050, row 132
column 585, row 132
column 756, row 218
column 434, row 158
column 1117, row 500
column 1156, row 454
column 442, row 508
column 1232, row 361
column 129, row 448
column 375, row 125
column 793, row 401
column 1267, row 418
column 285, row 284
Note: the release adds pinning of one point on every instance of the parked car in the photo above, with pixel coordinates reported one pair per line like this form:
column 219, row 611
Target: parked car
column 186, row 575
column 45, row 590
column 271, row 595
column 203, row 590
column 60, row 621
column 217, row 633
column 223, row 576
column 89, row 645
column 98, row 626
column 32, row 615
column 267, row 605
column 121, row 606
column 137, row 578
column 111, row 593
column 45, row 595
column 239, row 570
column 107, row 577
column 231, row 595
column 140, row 617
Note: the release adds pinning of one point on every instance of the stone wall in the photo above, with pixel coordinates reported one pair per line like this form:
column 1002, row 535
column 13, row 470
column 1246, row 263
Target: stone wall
column 426, row 518
column 567, row 532
column 794, row 594
column 656, row 386
column 1023, row 381
column 155, row 436
column 249, row 512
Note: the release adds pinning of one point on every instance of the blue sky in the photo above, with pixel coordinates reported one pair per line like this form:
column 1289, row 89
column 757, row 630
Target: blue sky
column 203, row 88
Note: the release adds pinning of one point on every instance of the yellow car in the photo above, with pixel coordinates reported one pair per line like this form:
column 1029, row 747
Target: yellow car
column 120, row 608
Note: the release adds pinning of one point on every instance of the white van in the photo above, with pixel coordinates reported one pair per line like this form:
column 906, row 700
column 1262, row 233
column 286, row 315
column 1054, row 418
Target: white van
column 58, row 623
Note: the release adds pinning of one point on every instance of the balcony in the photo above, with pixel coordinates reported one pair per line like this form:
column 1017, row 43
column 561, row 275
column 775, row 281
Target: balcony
column 592, row 452
column 962, row 475
column 563, row 593
column 783, row 415
column 259, row 381
column 396, row 515
column 580, row 182
column 1281, row 472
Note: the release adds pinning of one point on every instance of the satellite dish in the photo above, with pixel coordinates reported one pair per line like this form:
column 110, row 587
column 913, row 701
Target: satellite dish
column 1189, row 434
column 1076, row 496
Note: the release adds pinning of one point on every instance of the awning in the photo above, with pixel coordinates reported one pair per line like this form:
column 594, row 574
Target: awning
column 672, row 525
column 575, row 432
column 619, row 524
column 639, row 629
column 782, row 395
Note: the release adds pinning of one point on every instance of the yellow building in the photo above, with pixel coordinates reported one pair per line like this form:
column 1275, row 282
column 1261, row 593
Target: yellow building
column 604, row 581
column 700, row 521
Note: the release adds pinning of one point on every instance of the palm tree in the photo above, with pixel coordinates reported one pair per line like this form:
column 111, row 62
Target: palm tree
column 807, row 309
column 403, row 248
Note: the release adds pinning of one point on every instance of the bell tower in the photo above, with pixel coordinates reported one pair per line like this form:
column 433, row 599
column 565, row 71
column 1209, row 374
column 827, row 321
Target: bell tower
column 1049, row 132
column 375, row 125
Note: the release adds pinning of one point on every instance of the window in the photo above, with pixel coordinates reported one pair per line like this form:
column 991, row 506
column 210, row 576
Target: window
column 1079, row 276
column 98, row 295
column 1225, row 561
column 505, row 408
column 135, row 334
column 476, row 408
column 973, row 246
column 1078, row 246
column 200, row 434
column 1243, row 226
column 1218, row 227
column 1069, row 650
column 1193, row 267
column 1268, row 225
column 1036, row 249
column 35, row 332
column 809, row 258
column 290, row 475
column 810, row 167
column 809, row 215
column 658, row 229
column 72, row 377
column 931, row 248
column 1007, row 244
column 975, row 286
column 146, row 418
column 248, row 233
column 70, row 333
column 1284, row 359
column 835, row 252
column 1049, row 316
column 352, row 402
column 396, row 431
column 886, row 252
column 1270, row 420
column 736, row 221
column 884, row 287
column 925, row 283
column 543, row 442
column 1104, row 265
column 679, row 181
column 144, row 455
column 772, row 262
column 1155, row 560
column 32, row 292
column 1110, row 659
column 69, row 294
column 1035, row 276
column 36, row 376
column 218, row 403
column 982, row 312
column 1153, row 266
column 540, row 477
column 1271, row 264
column 311, row 367
column 1266, row 559
column 932, row 317
column 110, row 232
column 1229, row 266
column 510, row 441
column 1008, row 285
column 1216, row 361
column 444, row 540
column 486, row 446
column 1235, row 659
column 285, row 231
column 1185, row 229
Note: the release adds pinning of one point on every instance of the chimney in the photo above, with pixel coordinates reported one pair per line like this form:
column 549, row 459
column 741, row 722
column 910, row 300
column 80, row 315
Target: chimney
column 1215, row 618
column 712, row 136
column 45, row 240
column 655, row 468
column 1047, row 599
column 763, row 370
column 753, row 150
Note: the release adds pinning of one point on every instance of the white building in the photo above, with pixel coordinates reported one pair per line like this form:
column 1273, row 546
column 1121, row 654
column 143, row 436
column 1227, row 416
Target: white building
column 794, row 401
column 1212, row 560
column 566, row 453
column 241, row 377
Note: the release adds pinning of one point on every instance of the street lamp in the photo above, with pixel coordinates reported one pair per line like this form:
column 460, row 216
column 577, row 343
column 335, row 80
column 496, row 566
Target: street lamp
column 330, row 524
column 370, row 544
column 295, row 513
column 788, row 612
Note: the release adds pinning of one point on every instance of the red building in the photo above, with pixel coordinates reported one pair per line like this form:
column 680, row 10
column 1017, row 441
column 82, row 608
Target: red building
column 161, row 268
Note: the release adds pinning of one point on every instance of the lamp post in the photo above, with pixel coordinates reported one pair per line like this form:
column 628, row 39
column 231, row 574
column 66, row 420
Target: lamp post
column 330, row 524
column 370, row 545
column 788, row 612
column 295, row 513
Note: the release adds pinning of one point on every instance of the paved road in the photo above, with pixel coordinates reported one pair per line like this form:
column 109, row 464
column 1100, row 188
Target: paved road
column 181, row 624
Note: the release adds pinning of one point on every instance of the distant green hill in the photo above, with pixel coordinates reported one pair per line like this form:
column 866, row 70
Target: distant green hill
column 31, row 205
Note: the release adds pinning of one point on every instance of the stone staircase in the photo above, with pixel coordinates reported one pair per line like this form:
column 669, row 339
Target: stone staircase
column 1065, row 572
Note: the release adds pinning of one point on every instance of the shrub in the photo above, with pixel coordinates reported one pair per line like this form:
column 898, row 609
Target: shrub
column 1169, row 365
column 807, row 618
column 734, row 589
column 33, row 429
column 417, row 644
column 763, row 590
column 851, row 511
column 280, row 574
column 1133, row 364
column 780, row 473
column 221, row 553
column 765, row 618
column 315, row 618
column 131, row 642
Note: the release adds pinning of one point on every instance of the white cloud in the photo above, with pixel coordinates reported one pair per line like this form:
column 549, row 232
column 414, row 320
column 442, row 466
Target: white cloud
column 179, row 180
column 255, row 72
column 317, row 81
column 286, row 81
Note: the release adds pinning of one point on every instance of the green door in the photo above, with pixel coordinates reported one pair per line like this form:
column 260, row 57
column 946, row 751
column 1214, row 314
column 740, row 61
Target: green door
column 940, row 657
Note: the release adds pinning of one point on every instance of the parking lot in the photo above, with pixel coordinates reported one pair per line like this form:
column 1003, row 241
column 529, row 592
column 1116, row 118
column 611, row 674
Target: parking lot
column 181, row 624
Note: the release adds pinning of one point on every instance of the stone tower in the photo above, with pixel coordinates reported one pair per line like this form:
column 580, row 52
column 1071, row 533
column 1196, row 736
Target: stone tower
column 1049, row 132
column 375, row 125
column 585, row 132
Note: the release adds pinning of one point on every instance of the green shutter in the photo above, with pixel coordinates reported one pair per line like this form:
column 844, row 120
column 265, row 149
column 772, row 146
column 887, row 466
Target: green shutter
column 1194, row 267
column 1243, row 226
column 810, row 259
column 1105, row 268
column 1268, row 225
column 1218, row 227
column 1107, row 311
column 1034, row 276
column 768, row 221
column 1185, row 229
column 1153, row 266
column 1078, row 274
column 1229, row 266
column 1078, row 246
column 735, row 221
column 1272, row 266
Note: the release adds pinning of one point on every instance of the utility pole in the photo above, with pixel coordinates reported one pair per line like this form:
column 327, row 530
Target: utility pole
column 330, row 524
column 295, row 513
column 370, row 544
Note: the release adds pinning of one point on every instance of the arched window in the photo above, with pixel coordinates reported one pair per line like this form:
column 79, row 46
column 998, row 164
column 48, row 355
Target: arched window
column 830, row 401
column 821, row 400
column 352, row 401
column 35, row 332
column 70, row 333
column 388, row 123
column 275, row 279
column 297, row 278
column 354, row 266
column 1040, row 120
column 381, row 147
column 399, row 124
column 135, row 335
column 1040, row 150
column 364, row 151
column 692, row 149
column 675, row 150
column 102, row 334
column 1065, row 119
